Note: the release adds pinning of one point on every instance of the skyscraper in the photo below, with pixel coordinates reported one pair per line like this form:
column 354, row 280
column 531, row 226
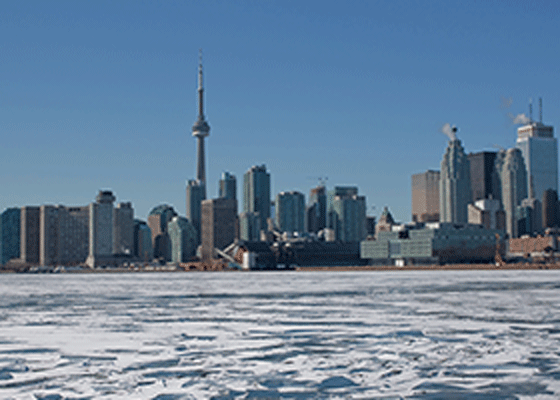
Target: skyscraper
column 290, row 211
column 540, row 152
column 425, row 196
column 158, row 219
column 143, row 248
column 550, row 217
column 317, row 209
column 513, row 183
column 455, row 184
column 346, row 212
column 10, row 228
column 29, row 238
column 101, row 228
column 228, row 186
column 256, row 193
column 183, row 238
column 482, row 168
column 196, row 193
column 201, row 130
column 218, row 225
column 123, row 229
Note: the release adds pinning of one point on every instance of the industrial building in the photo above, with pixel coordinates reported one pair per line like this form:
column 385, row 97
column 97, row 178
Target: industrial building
column 431, row 243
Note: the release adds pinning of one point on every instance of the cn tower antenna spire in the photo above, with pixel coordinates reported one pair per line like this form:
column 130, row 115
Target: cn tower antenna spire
column 200, row 129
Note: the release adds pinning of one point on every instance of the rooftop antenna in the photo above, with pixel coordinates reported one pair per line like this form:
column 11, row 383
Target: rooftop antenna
column 530, row 110
column 540, row 109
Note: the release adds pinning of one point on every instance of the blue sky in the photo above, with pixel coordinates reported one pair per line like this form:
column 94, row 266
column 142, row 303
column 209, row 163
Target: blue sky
column 102, row 94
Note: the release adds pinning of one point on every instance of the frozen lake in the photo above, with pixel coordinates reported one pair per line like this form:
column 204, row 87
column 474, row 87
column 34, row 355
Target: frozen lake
column 293, row 335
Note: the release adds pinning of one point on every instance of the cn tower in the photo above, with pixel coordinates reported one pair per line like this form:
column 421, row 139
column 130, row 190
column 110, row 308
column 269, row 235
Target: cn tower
column 200, row 129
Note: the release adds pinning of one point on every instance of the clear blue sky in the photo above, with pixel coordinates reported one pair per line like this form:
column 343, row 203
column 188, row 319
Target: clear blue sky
column 102, row 94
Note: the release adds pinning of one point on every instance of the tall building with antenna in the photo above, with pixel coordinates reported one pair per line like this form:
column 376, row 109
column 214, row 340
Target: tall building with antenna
column 196, row 188
column 540, row 152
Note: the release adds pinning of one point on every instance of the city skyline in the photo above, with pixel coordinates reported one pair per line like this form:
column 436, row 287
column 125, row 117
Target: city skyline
column 302, row 88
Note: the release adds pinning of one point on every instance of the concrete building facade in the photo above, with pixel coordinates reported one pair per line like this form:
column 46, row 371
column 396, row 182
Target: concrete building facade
column 488, row 213
column 123, row 229
column 347, row 214
column 101, row 229
column 249, row 226
column 183, row 238
column 513, row 183
column 228, row 186
column 29, row 235
column 158, row 219
column 425, row 196
column 316, row 211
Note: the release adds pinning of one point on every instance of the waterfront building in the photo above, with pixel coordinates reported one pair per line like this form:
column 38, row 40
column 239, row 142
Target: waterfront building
column 550, row 212
column 249, row 226
column 540, row 153
column 529, row 217
column 183, row 238
column 10, row 234
column 101, row 229
column 488, row 213
column 123, row 229
column 158, row 220
column 513, row 184
column 290, row 211
column 143, row 248
column 431, row 243
column 425, row 196
column 29, row 234
column 256, row 193
column 455, row 184
column 340, row 191
column 481, row 173
column 218, row 225
column 316, row 210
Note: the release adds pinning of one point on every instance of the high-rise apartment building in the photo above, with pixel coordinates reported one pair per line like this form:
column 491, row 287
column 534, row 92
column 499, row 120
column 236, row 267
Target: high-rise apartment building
column 513, row 183
column 183, row 238
column 455, row 184
column 256, row 193
column 482, row 170
column 290, row 212
column 317, row 209
column 249, row 226
column 101, row 229
column 29, row 234
column 123, row 229
column 218, row 225
column 346, row 212
column 64, row 235
column 540, row 152
column 425, row 196
column 10, row 234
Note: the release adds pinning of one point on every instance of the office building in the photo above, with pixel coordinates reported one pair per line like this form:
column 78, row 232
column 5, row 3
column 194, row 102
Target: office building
column 123, row 229
column 341, row 191
column 540, row 153
column 482, row 169
column 218, row 225
column 10, row 234
column 529, row 217
column 550, row 212
column 425, row 196
column 513, row 184
column 183, row 238
column 143, row 248
column 290, row 212
column 158, row 219
column 29, row 235
column 316, row 211
column 228, row 186
column 488, row 213
column 256, row 193
column 196, row 193
column 386, row 222
column 455, row 184
column 101, row 229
